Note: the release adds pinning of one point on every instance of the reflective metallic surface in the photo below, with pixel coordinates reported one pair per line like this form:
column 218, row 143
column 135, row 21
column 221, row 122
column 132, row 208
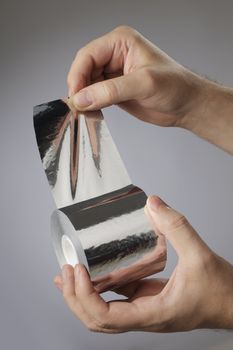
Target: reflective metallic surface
column 100, row 221
column 78, row 154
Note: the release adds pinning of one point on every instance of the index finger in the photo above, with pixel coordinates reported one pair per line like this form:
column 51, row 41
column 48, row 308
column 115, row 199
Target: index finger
column 94, row 55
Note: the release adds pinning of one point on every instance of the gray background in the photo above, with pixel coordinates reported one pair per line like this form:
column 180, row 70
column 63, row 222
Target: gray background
column 38, row 42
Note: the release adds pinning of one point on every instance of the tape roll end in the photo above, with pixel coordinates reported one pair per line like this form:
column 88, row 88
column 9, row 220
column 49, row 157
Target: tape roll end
column 66, row 244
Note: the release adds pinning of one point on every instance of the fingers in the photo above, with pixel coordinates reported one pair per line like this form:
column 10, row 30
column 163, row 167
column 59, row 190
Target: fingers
column 175, row 227
column 68, row 284
column 144, row 287
column 135, row 85
column 96, row 314
column 128, row 290
column 104, row 316
column 106, row 54
column 69, row 294
column 86, row 293
column 106, row 57
column 83, row 300
column 58, row 282
column 96, row 54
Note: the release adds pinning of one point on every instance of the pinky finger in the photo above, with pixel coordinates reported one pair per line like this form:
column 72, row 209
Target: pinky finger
column 58, row 282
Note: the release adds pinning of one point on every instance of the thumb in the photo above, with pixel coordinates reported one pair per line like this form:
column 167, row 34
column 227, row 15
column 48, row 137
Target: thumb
column 174, row 226
column 112, row 91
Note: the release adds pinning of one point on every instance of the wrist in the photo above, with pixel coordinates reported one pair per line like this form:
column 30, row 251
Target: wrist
column 210, row 114
column 202, row 103
column 217, row 307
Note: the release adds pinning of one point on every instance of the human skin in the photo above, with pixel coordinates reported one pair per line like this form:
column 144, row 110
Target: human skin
column 199, row 293
column 124, row 68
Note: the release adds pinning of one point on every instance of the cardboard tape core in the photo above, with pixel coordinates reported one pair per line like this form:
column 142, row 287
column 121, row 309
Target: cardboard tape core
column 69, row 251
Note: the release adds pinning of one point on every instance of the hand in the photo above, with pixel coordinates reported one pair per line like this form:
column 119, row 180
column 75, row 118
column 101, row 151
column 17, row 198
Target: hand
column 124, row 68
column 199, row 293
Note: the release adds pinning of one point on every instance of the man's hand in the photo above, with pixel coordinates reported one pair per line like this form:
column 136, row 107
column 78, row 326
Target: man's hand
column 199, row 293
column 124, row 68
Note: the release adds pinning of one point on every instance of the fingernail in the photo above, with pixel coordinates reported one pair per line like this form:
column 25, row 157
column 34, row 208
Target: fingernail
column 153, row 203
column 82, row 99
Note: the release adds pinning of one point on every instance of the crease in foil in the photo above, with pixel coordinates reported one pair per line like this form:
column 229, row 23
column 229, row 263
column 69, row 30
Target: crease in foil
column 78, row 154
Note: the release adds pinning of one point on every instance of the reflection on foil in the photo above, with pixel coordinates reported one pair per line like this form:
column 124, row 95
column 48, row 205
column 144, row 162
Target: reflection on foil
column 79, row 157
column 100, row 221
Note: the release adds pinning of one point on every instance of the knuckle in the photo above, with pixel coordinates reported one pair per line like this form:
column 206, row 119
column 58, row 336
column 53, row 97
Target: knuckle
column 206, row 261
column 124, row 29
column 176, row 222
column 105, row 324
column 80, row 52
column 92, row 327
column 149, row 76
column 110, row 90
column 102, row 321
column 97, row 325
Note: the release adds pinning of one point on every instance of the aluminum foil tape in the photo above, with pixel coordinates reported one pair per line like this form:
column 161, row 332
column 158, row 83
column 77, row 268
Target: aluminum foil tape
column 100, row 220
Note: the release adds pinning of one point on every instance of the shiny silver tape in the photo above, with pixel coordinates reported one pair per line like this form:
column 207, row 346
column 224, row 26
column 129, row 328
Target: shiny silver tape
column 100, row 221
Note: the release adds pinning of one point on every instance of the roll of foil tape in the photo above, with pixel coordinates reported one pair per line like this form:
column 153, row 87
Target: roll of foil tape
column 100, row 220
